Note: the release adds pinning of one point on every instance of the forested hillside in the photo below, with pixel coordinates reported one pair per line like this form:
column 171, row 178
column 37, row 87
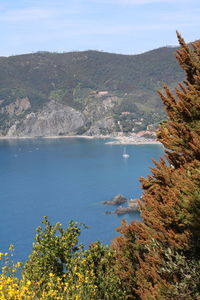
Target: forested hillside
column 98, row 87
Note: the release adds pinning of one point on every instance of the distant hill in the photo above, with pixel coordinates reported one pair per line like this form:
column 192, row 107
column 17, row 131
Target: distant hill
column 89, row 91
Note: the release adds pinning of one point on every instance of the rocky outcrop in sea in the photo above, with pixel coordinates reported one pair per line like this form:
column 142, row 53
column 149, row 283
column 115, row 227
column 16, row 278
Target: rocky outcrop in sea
column 118, row 199
column 132, row 205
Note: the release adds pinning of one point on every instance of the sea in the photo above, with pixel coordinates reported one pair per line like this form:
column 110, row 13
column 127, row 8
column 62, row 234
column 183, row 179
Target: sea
column 67, row 179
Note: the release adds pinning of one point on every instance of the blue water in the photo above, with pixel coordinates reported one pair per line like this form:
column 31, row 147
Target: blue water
column 66, row 179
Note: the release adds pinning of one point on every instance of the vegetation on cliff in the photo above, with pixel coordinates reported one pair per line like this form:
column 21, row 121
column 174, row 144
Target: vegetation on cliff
column 82, row 81
column 158, row 259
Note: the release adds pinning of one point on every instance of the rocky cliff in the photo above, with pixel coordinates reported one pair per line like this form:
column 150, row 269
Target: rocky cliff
column 57, row 119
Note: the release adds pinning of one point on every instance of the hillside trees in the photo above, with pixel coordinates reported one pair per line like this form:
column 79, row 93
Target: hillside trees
column 160, row 257
column 60, row 268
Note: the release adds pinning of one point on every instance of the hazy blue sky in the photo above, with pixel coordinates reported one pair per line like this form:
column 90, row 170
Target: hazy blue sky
column 121, row 26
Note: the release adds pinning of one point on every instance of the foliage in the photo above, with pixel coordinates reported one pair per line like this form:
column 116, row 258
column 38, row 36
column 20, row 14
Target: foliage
column 11, row 287
column 53, row 251
column 59, row 268
column 163, row 252
column 101, row 259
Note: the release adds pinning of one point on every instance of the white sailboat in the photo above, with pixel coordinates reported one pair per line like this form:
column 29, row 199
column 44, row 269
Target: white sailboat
column 125, row 155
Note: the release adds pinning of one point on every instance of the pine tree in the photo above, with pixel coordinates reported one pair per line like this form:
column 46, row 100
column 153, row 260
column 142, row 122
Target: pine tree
column 160, row 257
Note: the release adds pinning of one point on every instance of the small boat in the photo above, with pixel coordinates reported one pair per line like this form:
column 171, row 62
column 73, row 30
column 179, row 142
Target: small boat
column 125, row 155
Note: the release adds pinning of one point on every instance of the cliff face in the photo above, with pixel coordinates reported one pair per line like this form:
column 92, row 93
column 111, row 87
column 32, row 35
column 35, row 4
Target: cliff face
column 53, row 119
column 58, row 119
column 17, row 108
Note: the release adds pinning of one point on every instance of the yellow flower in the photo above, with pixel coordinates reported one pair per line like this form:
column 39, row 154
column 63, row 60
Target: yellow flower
column 11, row 247
column 28, row 282
column 18, row 264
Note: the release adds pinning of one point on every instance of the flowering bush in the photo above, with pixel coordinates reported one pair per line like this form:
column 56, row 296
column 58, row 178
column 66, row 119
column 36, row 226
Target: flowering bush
column 59, row 268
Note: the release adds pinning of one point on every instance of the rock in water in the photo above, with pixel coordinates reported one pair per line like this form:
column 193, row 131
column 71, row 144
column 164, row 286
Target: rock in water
column 118, row 199
column 132, row 206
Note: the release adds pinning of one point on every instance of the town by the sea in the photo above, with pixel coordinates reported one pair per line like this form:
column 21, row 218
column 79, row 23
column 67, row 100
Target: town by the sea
column 66, row 179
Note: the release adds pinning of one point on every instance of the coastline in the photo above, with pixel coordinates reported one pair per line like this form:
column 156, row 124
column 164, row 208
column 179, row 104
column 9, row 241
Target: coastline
column 45, row 137
column 130, row 140
column 116, row 140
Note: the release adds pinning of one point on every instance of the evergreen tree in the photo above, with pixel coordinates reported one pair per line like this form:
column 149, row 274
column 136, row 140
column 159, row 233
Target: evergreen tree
column 160, row 257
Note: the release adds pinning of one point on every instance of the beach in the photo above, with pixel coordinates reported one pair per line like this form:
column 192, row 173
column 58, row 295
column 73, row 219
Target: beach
column 132, row 140
column 115, row 140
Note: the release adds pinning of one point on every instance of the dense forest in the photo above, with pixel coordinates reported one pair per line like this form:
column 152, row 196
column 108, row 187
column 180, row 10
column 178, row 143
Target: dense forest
column 43, row 75
column 156, row 259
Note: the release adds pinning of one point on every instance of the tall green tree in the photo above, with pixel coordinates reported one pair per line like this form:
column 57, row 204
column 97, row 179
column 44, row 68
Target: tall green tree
column 160, row 257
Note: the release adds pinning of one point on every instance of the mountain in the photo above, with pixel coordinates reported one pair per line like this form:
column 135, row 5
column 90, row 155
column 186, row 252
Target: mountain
column 90, row 92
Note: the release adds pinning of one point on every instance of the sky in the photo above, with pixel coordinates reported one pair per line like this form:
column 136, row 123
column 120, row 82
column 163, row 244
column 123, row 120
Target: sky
column 117, row 26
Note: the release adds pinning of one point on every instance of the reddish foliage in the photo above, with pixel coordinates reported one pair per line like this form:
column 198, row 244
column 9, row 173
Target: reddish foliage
column 171, row 195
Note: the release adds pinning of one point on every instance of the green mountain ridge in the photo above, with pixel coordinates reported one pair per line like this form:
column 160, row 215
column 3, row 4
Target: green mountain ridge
column 84, row 81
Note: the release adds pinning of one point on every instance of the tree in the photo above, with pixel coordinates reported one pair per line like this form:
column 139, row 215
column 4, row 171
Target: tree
column 54, row 250
column 60, row 268
column 152, row 255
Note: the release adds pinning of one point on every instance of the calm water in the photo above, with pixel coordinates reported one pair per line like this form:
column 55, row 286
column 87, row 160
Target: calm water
column 66, row 179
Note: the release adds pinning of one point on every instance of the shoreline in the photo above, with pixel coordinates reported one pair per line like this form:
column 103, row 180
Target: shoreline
column 116, row 140
column 131, row 141
column 45, row 137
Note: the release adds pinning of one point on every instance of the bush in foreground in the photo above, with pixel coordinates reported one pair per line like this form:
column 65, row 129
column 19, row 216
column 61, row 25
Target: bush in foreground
column 59, row 268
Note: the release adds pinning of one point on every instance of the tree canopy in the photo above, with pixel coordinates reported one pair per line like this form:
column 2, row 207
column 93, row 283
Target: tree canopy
column 159, row 258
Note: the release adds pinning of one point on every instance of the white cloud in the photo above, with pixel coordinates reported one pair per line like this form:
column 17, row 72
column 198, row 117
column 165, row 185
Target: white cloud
column 140, row 2
column 27, row 14
column 64, row 24
column 41, row 10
